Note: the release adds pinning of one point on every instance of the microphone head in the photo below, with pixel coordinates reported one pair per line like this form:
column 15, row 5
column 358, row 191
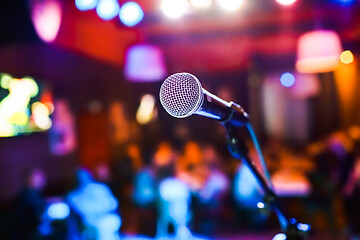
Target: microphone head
column 181, row 95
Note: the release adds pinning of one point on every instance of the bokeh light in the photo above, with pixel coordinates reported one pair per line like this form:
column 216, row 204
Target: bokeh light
column 280, row 236
column 285, row 2
column 58, row 210
column 19, row 118
column 287, row 79
column 84, row 5
column 46, row 17
column 200, row 3
column 303, row 227
column 41, row 115
column 145, row 112
column 230, row 5
column 345, row 2
column 144, row 63
column 131, row 14
column 107, row 9
column 260, row 205
column 174, row 8
column 5, row 80
column 16, row 116
column 313, row 56
column 346, row 57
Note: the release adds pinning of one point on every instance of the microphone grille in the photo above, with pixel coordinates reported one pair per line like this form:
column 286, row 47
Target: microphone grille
column 181, row 95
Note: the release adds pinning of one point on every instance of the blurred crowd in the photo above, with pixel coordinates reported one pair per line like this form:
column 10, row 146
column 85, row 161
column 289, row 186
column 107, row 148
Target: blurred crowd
column 195, row 189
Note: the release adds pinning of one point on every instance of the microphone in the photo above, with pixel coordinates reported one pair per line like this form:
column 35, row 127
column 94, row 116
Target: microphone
column 182, row 95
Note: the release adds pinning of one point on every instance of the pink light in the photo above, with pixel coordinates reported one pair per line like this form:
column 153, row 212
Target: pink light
column 318, row 51
column 144, row 63
column 306, row 85
column 285, row 2
column 46, row 17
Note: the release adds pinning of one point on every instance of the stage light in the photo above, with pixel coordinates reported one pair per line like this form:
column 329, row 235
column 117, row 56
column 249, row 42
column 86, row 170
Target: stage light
column 5, row 80
column 84, row 5
column 46, row 17
column 39, row 108
column 41, row 115
column 346, row 57
column 285, row 2
column 174, row 8
column 200, row 3
column 6, row 128
column 307, row 85
column 145, row 111
column 28, row 86
column 280, row 236
column 318, row 51
column 354, row 132
column 58, row 210
column 246, row 188
column 345, row 2
column 144, row 63
column 107, row 9
column 230, row 5
column 287, row 80
column 261, row 205
column 131, row 14
column 19, row 118
column 108, row 225
column 303, row 227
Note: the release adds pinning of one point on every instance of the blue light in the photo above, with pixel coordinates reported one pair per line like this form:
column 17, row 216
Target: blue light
column 109, row 223
column 287, row 79
column 280, row 236
column 261, row 205
column 303, row 227
column 131, row 14
column 246, row 188
column 84, row 5
column 345, row 2
column 58, row 210
column 107, row 9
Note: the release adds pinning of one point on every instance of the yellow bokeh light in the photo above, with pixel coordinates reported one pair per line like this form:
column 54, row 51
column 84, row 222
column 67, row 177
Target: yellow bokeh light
column 19, row 118
column 346, row 57
column 145, row 112
column 39, row 108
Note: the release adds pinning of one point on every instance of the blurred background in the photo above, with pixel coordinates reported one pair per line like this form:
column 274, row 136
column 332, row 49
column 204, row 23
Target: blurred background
column 88, row 152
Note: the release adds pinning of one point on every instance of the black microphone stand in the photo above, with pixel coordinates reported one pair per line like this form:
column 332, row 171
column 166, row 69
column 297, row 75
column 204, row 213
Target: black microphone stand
column 239, row 150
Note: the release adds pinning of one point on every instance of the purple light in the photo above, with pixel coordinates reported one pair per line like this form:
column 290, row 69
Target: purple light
column 287, row 79
column 144, row 63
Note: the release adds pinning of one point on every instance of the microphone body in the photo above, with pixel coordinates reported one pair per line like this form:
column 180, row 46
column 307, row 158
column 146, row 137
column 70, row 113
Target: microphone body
column 182, row 95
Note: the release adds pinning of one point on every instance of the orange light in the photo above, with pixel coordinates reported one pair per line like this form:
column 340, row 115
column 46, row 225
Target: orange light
column 346, row 57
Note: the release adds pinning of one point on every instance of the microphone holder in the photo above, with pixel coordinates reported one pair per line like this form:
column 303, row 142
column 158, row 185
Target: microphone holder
column 239, row 150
